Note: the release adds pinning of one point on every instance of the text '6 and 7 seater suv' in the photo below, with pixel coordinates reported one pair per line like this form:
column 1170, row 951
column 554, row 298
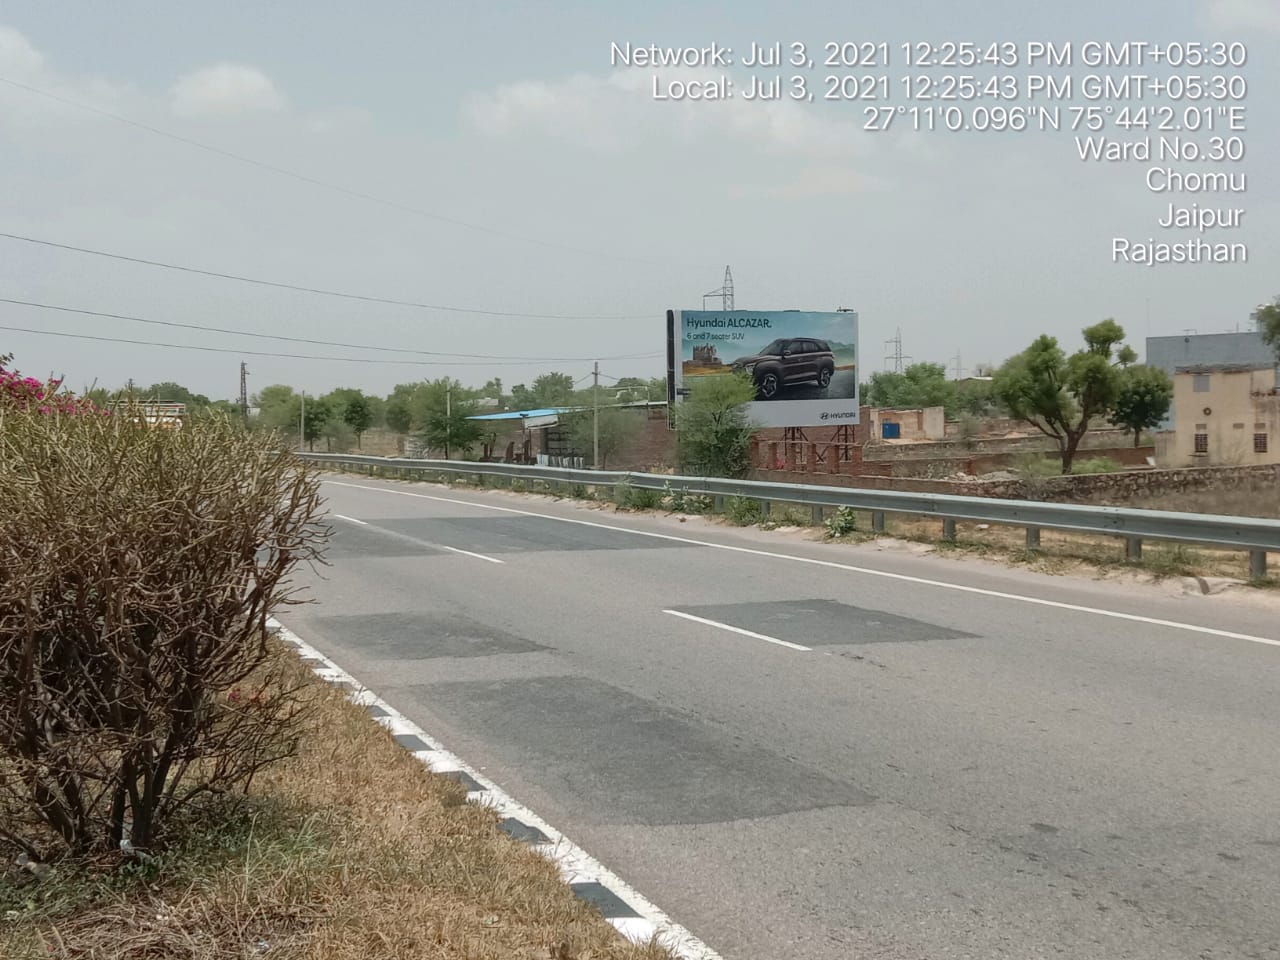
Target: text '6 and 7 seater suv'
column 786, row 361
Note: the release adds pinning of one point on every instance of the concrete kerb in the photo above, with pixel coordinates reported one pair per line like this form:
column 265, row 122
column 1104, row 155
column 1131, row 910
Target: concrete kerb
column 631, row 914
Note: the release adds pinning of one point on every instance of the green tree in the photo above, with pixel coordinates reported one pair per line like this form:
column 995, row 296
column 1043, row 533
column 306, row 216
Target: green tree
column 493, row 389
column 714, row 431
column 1145, row 396
column 277, row 408
column 452, row 431
column 975, row 398
column 552, row 390
column 171, row 392
column 395, row 410
column 919, row 385
column 1059, row 395
column 315, row 413
column 1267, row 317
column 352, row 408
column 522, row 398
column 618, row 429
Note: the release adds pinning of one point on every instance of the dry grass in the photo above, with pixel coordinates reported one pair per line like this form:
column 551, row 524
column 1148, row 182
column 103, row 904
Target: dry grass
column 352, row 850
column 1070, row 552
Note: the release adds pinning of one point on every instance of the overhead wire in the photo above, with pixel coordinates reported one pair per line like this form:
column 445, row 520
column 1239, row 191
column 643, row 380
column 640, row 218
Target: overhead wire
column 265, row 353
column 309, row 340
column 316, row 290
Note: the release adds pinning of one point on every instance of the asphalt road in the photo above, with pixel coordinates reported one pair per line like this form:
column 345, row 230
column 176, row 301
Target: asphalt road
column 901, row 756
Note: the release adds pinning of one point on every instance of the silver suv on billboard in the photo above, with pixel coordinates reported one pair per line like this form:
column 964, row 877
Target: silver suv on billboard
column 786, row 361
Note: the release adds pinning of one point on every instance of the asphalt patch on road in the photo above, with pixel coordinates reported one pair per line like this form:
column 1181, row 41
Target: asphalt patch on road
column 423, row 636
column 351, row 542
column 824, row 623
column 496, row 535
column 616, row 758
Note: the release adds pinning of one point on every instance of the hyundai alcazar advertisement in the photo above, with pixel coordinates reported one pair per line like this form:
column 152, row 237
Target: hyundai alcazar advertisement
column 803, row 364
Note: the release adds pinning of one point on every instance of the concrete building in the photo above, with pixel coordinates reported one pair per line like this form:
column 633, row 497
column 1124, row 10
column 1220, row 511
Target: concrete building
column 1224, row 415
column 1170, row 353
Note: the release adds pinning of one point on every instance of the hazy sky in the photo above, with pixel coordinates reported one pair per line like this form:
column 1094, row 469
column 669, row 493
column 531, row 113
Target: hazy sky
column 509, row 118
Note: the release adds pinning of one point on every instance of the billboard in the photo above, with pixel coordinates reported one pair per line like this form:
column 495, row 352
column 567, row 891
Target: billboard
column 804, row 364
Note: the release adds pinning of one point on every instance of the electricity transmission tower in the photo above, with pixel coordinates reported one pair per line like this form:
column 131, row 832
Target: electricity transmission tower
column 725, row 293
column 897, row 356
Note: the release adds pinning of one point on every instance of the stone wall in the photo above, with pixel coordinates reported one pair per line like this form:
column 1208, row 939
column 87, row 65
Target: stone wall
column 1091, row 488
column 1036, row 442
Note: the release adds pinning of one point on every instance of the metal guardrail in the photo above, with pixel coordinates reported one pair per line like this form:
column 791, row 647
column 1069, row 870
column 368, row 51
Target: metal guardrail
column 1254, row 534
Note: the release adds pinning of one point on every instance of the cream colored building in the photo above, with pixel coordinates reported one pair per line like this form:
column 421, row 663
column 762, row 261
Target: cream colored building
column 1224, row 414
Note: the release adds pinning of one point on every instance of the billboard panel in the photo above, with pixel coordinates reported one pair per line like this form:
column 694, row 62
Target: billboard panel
column 804, row 364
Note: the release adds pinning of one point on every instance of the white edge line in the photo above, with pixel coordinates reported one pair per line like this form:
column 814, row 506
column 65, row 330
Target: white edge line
column 732, row 629
column 576, row 865
column 342, row 516
column 867, row 571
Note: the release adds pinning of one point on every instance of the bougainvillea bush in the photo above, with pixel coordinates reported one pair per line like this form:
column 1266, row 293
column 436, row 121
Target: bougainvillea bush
column 28, row 393
column 137, row 570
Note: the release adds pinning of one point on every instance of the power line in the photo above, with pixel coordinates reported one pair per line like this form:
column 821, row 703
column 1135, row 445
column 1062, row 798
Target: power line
column 319, row 343
column 263, row 353
column 314, row 181
column 305, row 289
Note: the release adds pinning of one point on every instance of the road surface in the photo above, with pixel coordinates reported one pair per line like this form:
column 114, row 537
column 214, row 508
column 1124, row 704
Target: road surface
column 810, row 750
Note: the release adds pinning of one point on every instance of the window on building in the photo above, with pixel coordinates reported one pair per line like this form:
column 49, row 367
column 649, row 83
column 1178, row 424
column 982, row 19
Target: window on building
column 1200, row 383
column 1237, row 426
column 1202, row 443
column 1259, row 443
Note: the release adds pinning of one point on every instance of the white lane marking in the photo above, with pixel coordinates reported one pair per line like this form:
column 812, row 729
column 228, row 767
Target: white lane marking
column 426, row 543
column 903, row 577
column 574, row 863
column 468, row 553
column 732, row 629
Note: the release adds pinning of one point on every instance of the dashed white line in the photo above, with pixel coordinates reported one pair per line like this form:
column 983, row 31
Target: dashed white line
column 426, row 543
column 733, row 629
column 901, row 577
column 468, row 553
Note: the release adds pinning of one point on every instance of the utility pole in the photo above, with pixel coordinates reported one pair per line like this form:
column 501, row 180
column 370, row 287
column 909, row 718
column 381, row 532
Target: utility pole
column 959, row 368
column 302, row 423
column 595, row 418
column 244, row 391
column 448, row 416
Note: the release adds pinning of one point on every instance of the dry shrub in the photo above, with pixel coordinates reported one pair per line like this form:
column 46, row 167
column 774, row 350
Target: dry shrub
column 138, row 566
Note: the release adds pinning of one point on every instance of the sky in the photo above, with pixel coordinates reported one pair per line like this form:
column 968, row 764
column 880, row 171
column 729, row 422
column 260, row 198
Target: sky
column 488, row 157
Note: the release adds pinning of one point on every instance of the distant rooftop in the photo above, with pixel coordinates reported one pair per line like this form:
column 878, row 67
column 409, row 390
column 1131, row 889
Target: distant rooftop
column 1224, row 367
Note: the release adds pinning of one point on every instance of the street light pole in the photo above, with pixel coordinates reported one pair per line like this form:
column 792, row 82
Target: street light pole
column 302, row 423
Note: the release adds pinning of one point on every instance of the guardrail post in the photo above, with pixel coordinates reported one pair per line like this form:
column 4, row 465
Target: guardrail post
column 877, row 521
column 948, row 529
column 717, row 503
column 1133, row 548
column 1257, row 564
column 764, row 508
column 1033, row 538
column 817, row 514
